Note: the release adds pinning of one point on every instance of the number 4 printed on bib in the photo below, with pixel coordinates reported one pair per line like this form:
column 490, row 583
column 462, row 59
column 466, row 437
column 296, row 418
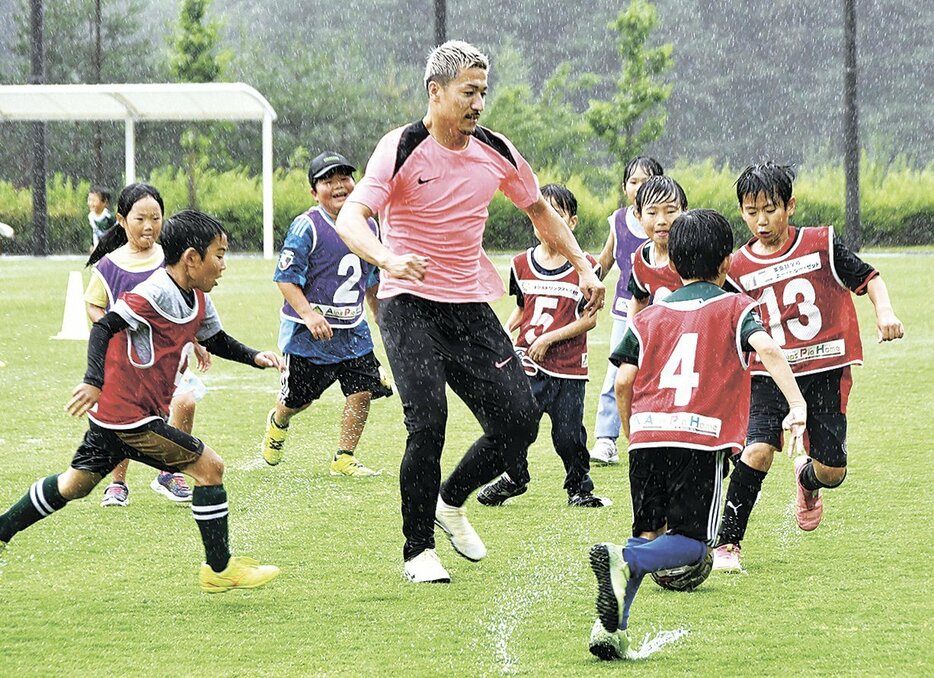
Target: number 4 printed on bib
column 678, row 372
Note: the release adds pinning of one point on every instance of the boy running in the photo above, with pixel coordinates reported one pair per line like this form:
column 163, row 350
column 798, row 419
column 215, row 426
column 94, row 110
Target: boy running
column 626, row 234
column 323, row 333
column 552, row 345
column 659, row 201
column 133, row 357
column 802, row 279
column 682, row 365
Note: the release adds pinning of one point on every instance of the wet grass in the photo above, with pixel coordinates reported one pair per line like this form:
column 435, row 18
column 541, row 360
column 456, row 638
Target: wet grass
column 114, row 592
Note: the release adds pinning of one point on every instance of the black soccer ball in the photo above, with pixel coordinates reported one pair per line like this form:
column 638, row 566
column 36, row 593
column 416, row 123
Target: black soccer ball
column 686, row 577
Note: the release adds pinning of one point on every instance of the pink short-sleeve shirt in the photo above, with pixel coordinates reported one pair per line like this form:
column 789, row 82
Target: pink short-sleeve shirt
column 434, row 202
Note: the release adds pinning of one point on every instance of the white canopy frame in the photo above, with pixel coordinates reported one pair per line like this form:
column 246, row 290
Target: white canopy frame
column 132, row 103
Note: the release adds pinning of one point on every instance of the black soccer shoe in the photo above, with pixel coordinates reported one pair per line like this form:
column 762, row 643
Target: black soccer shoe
column 587, row 500
column 499, row 491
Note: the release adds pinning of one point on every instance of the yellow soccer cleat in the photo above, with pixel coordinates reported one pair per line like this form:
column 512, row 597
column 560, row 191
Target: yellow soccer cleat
column 241, row 573
column 274, row 440
column 347, row 465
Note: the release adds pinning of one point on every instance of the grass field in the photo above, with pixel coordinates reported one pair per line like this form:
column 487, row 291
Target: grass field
column 114, row 592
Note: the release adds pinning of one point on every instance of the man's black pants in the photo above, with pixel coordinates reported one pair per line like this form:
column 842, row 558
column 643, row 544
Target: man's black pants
column 432, row 344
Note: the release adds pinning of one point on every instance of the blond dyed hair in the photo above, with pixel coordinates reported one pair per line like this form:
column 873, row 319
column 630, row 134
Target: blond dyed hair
column 449, row 59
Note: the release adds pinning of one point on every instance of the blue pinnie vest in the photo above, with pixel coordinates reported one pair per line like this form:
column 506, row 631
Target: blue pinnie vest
column 118, row 280
column 626, row 244
column 337, row 278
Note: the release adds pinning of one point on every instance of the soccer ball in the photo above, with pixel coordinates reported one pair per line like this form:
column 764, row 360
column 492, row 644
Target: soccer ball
column 686, row 577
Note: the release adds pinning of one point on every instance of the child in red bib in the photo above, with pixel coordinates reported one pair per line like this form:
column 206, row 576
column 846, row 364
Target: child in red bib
column 552, row 345
column 682, row 366
column 802, row 279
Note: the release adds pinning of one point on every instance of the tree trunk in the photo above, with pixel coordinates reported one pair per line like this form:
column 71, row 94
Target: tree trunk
column 192, row 185
column 854, row 231
column 37, row 77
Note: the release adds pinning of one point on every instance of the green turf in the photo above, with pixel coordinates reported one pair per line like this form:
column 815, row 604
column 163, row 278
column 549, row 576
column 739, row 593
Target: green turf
column 114, row 592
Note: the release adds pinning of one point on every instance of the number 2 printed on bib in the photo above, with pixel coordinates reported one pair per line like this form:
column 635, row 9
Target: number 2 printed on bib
column 348, row 293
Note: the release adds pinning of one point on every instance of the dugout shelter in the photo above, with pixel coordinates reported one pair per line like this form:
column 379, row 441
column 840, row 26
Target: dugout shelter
column 134, row 103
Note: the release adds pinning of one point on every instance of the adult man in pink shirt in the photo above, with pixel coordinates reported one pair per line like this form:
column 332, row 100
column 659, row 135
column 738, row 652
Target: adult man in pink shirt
column 431, row 183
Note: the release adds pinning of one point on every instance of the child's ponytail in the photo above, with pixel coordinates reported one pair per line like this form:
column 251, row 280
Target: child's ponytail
column 111, row 240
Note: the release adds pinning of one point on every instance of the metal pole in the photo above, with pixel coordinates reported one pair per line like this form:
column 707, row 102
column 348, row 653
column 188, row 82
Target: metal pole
column 130, row 151
column 40, row 215
column 441, row 12
column 854, row 234
column 98, row 67
column 267, row 187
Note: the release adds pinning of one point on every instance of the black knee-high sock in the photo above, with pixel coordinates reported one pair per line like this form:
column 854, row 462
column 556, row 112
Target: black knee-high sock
column 42, row 500
column 745, row 483
column 810, row 481
column 209, row 507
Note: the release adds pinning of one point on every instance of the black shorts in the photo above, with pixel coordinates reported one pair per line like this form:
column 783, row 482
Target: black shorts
column 155, row 443
column 826, row 395
column 304, row 381
column 677, row 487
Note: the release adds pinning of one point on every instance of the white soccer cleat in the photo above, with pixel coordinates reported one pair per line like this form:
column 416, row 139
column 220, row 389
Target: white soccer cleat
column 606, row 645
column 464, row 539
column 604, row 451
column 426, row 568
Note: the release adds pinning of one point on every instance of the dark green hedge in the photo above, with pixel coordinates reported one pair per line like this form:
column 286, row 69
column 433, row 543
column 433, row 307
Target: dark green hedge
column 897, row 205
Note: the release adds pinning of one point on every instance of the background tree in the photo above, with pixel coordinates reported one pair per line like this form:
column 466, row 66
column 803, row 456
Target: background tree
column 547, row 127
column 128, row 55
column 634, row 116
column 196, row 58
column 746, row 86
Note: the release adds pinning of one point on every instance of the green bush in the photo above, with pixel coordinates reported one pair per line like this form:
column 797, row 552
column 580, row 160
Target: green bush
column 897, row 201
column 897, row 205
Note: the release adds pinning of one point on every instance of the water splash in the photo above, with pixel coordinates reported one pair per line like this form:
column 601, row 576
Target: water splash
column 540, row 574
column 251, row 464
column 653, row 643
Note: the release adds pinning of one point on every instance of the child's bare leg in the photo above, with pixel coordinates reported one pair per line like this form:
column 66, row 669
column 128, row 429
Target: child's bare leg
column 283, row 414
column 76, row 483
column 356, row 411
column 119, row 472
column 829, row 476
column 182, row 412
column 759, row 456
column 181, row 416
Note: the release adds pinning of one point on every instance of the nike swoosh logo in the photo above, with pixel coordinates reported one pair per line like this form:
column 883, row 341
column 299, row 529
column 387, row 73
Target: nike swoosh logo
column 502, row 363
column 425, row 181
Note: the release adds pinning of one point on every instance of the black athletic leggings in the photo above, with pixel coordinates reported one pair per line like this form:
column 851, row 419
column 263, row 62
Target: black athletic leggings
column 431, row 344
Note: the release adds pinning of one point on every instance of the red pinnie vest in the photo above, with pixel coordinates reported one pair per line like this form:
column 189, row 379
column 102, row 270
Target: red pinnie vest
column 142, row 367
column 550, row 302
column 803, row 303
column 658, row 281
column 692, row 387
